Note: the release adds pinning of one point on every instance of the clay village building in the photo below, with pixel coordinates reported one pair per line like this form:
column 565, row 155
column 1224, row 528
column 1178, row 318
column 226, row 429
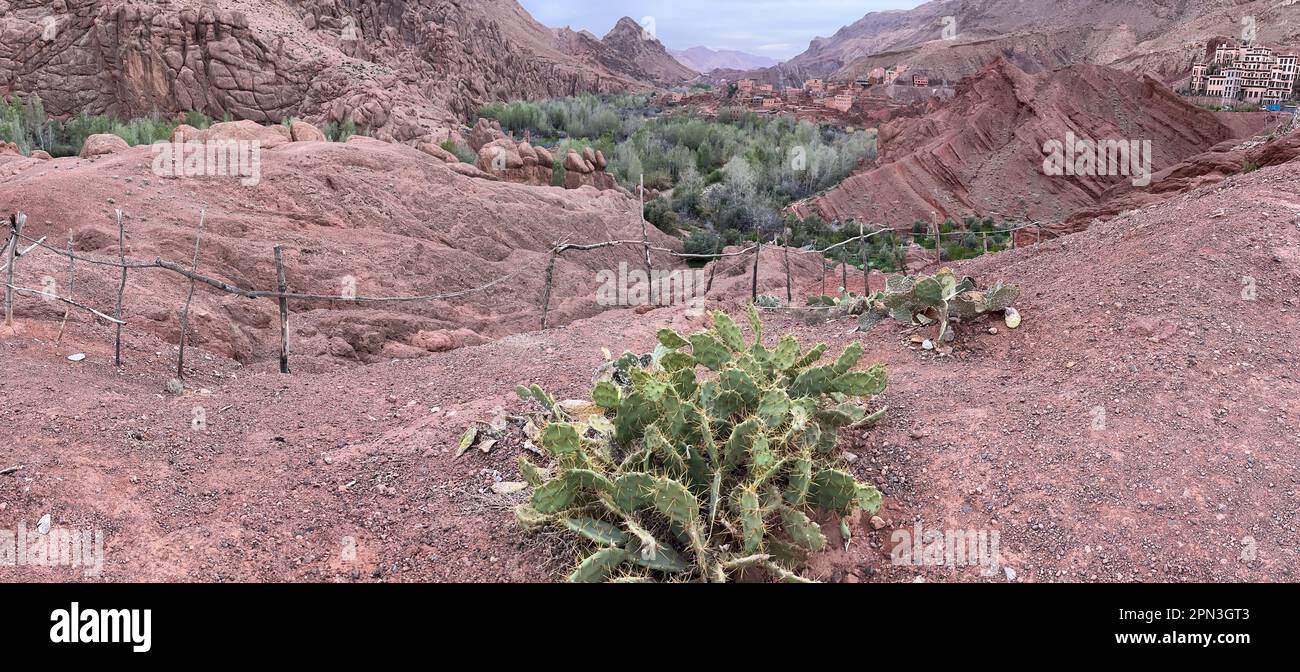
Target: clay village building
column 842, row 102
column 1250, row 74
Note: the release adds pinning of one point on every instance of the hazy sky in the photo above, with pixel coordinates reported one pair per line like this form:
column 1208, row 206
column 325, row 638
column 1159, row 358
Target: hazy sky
column 776, row 28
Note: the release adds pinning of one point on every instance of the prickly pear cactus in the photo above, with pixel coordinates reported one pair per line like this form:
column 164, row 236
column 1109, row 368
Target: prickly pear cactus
column 721, row 448
column 922, row 300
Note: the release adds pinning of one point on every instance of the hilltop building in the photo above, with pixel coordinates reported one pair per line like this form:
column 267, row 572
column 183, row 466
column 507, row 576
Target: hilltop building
column 1246, row 73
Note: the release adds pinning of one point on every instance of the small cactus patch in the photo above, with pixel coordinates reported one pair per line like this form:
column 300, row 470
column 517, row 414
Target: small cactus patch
column 721, row 449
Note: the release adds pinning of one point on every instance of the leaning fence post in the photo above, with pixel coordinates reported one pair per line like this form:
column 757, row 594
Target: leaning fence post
column 546, row 292
column 121, row 288
column 185, row 312
column 713, row 268
column 11, row 255
column 283, row 292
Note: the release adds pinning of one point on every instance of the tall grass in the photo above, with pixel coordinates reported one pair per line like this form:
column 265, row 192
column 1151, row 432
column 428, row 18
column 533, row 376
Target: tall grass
column 23, row 121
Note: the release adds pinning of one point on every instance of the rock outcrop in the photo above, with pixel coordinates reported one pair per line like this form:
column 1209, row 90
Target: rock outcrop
column 1208, row 168
column 983, row 153
column 953, row 40
column 101, row 144
column 402, row 70
column 501, row 157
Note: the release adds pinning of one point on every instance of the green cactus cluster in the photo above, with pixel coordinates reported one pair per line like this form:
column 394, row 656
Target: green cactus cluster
column 925, row 300
column 767, row 301
column 718, row 450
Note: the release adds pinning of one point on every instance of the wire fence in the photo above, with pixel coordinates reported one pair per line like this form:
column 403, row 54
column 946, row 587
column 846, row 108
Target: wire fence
column 20, row 245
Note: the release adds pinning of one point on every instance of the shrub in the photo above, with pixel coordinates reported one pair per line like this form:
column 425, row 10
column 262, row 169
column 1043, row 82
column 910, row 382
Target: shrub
column 659, row 213
column 698, row 480
column 336, row 132
column 702, row 242
column 459, row 150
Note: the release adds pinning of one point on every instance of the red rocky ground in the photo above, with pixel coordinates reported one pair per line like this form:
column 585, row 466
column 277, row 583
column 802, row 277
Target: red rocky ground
column 1193, row 478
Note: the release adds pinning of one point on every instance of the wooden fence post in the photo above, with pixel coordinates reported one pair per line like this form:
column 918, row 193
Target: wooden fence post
column 862, row 251
column 283, row 290
column 844, row 270
column 789, row 281
column 758, row 252
column 72, row 289
column 185, row 312
column 121, row 288
column 645, row 243
column 546, row 293
column 11, row 255
column 713, row 268
column 938, row 241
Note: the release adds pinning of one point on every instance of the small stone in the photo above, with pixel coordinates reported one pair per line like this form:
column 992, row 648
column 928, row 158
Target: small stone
column 993, row 331
column 1011, row 573
column 175, row 387
column 877, row 523
column 44, row 525
column 508, row 487
column 850, row 457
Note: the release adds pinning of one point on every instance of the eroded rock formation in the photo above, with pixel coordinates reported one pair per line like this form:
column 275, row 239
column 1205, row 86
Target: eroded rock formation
column 399, row 70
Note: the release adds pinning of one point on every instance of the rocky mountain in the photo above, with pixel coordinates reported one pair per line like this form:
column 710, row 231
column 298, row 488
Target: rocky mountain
column 984, row 152
column 704, row 59
column 399, row 69
column 951, row 39
column 634, row 50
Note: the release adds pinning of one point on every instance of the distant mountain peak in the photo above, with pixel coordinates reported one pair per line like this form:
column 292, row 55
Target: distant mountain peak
column 705, row 59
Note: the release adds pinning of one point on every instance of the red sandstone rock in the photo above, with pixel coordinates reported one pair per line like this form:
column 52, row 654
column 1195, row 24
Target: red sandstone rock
column 302, row 131
column 101, row 144
column 405, row 70
column 982, row 153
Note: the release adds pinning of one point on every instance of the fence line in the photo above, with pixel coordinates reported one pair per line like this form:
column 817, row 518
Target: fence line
column 561, row 247
column 11, row 253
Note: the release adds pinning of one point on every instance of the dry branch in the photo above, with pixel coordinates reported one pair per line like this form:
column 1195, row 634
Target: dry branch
column 70, row 302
